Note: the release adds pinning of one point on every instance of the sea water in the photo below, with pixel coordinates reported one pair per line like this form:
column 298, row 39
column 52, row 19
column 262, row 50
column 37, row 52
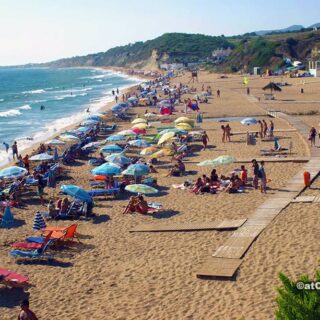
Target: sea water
column 64, row 94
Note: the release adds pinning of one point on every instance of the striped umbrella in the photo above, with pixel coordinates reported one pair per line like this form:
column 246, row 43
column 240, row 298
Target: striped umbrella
column 41, row 157
column 7, row 219
column 140, row 143
column 166, row 137
column 140, row 188
column 118, row 158
column 38, row 222
column 136, row 170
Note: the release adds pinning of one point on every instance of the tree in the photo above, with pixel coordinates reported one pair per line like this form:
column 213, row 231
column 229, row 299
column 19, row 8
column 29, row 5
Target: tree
column 295, row 303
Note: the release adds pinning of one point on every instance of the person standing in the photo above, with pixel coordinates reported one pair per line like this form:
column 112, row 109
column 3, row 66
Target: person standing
column 223, row 133
column 116, row 98
column 218, row 93
column 312, row 136
column 6, row 145
column 113, row 92
column 271, row 128
column 40, row 187
column 14, row 148
column 117, row 90
column 262, row 178
column 255, row 167
column 261, row 129
column 26, row 313
column 26, row 163
column 205, row 140
column 228, row 133
column 265, row 128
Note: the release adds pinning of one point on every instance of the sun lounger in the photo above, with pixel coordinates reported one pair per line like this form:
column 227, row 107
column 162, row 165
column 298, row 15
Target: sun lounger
column 104, row 192
column 32, row 245
column 12, row 279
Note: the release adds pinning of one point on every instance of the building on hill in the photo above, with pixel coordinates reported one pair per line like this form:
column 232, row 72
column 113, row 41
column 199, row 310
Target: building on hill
column 221, row 53
column 171, row 66
column 314, row 68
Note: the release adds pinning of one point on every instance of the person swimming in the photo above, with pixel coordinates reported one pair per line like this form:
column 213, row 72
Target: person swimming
column 42, row 107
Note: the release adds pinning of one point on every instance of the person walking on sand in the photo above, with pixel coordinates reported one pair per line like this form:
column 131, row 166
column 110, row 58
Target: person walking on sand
column 26, row 313
column 205, row 140
column 265, row 128
column 218, row 93
column 223, row 133
column 312, row 136
column 6, row 145
column 117, row 90
column 228, row 133
column 255, row 168
column 14, row 148
column 262, row 178
column 261, row 129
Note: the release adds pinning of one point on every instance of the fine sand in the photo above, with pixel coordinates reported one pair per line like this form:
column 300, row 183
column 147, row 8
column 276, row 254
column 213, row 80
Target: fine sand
column 114, row 274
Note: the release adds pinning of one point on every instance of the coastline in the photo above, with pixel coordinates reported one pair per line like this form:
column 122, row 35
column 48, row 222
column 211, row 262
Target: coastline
column 105, row 107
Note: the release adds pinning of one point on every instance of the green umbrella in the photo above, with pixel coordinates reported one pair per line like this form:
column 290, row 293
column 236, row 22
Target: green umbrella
column 140, row 188
column 222, row 160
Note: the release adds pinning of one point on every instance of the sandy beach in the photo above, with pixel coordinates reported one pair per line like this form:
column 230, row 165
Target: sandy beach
column 115, row 274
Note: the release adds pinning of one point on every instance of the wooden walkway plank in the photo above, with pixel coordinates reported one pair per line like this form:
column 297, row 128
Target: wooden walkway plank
column 304, row 199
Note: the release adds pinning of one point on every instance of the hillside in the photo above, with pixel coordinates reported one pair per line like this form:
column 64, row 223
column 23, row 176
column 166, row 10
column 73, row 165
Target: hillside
column 170, row 47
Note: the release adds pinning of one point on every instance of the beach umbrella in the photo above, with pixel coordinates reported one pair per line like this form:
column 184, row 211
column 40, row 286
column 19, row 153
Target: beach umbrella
column 139, row 120
column 165, row 102
column 7, row 218
column 126, row 133
column 140, row 143
column 90, row 122
column 55, row 142
column 116, row 137
column 162, row 153
column 140, row 126
column 166, row 137
column 90, row 145
column 106, row 169
column 69, row 137
column 56, row 155
column 76, row 192
column 112, row 148
column 272, row 87
column 38, row 222
column 148, row 151
column 222, row 160
column 136, row 170
column 12, row 172
column 138, row 131
column 150, row 114
column 83, row 129
column 117, row 108
column 140, row 188
column 41, row 157
column 132, row 99
column 118, row 158
column 184, row 126
column 175, row 130
column 248, row 121
column 184, row 120
column 94, row 117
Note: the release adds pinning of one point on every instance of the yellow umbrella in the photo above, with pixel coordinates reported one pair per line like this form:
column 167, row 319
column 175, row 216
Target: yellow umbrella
column 140, row 126
column 165, row 137
column 184, row 120
column 139, row 120
column 148, row 151
column 184, row 126
column 162, row 153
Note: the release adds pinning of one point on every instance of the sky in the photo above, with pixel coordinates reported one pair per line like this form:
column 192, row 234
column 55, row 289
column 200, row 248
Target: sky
column 45, row 30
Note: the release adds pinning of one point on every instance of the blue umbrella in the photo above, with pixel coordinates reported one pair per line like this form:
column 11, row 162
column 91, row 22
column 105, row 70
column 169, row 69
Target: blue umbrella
column 12, row 172
column 249, row 121
column 117, row 108
column 116, row 137
column 136, row 170
column 38, row 222
column 140, row 143
column 175, row 130
column 76, row 192
column 41, row 157
column 112, row 148
column 7, row 219
column 118, row 159
column 83, row 129
column 56, row 142
column 132, row 99
column 90, row 122
column 94, row 117
column 106, row 169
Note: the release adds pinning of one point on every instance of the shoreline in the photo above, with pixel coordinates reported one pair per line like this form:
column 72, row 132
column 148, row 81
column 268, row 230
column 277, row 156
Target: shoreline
column 106, row 107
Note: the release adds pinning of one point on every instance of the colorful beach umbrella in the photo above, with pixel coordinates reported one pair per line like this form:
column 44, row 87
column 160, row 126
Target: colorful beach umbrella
column 140, row 188
column 118, row 158
column 90, row 122
column 138, row 131
column 162, row 153
column 41, row 157
column 140, row 126
column 148, row 151
column 106, row 169
column 126, row 133
column 13, row 172
column 76, row 192
column 55, row 142
column 166, row 137
column 69, row 137
column 38, row 222
column 222, row 160
column 184, row 126
column 116, row 137
column 175, row 130
column 93, row 144
column 248, row 121
column 140, row 143
column 136, row 170
column 184, row 120
column 7, row 218
column 139, row 120
column 112, row 148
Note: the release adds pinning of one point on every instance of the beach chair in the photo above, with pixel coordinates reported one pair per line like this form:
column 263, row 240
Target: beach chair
column 104, row 192
column 12, row 279
column 32, row 245
column 33, row 254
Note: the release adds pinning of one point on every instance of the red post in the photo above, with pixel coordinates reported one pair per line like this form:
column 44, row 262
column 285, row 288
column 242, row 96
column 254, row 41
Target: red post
column 306, row 178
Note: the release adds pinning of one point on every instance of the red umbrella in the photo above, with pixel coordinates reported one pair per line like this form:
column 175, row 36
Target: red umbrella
column 139, row 131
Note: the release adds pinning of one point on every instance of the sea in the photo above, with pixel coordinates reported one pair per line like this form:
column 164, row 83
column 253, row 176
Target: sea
column 35, row 103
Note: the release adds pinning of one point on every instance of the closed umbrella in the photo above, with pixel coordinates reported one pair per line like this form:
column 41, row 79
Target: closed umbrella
column 12, row 172
column 136, row 170
column 140, row 143
column 7, row 218
column 140, row 188
column 116, row 137
column 38, row 222
column 222, row 160
column 248, row 121
column 112, row 148
column 118, row 158
column 76, row 192
column 139, row 120
column 106, row 169
column 166, row 137
column 41, row 157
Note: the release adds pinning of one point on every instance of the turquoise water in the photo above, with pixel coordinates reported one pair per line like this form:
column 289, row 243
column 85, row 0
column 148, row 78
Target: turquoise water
column 64, row 93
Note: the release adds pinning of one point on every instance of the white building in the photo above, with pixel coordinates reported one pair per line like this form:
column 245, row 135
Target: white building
column 314, row 68
column 221, row 53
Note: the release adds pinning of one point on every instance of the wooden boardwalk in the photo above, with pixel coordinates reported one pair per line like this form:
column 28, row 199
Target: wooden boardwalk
column 226, row 259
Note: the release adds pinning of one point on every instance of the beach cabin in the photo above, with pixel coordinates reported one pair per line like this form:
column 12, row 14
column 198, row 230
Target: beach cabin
column 257, row 71
column 314, row 68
